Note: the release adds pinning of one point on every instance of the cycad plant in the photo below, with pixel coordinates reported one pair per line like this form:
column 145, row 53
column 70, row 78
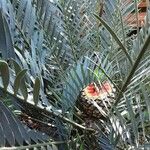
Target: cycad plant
column 73, row 75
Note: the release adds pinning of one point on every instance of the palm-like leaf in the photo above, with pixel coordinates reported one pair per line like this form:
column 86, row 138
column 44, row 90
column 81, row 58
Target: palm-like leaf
column 129, row 80
column 67, row 48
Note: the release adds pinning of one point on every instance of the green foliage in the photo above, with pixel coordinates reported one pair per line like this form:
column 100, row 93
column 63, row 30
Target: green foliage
column 18, row 79
column 50, row 51
column 36, row 90
column 4, row 73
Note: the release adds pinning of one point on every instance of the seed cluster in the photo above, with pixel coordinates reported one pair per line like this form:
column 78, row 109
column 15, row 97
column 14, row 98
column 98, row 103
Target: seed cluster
column 95, row 101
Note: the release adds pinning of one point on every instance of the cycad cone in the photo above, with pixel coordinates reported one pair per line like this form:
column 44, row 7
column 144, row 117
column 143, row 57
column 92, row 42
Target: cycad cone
column 94, row 101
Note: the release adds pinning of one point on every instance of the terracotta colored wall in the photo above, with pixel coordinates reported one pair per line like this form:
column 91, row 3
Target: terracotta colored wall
column 131, row 19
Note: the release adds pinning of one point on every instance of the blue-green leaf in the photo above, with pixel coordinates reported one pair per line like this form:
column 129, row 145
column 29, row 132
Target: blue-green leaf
column 6, row 43
column 115, row 37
